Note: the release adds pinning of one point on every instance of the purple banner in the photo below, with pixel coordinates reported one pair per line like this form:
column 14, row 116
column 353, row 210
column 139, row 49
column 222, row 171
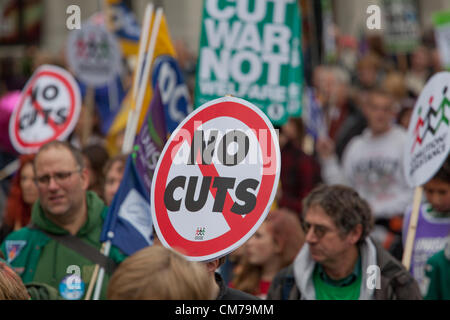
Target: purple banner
column 150, row 141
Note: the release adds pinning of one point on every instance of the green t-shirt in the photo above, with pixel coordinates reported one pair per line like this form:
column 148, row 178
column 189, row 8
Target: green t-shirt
column 345, row 289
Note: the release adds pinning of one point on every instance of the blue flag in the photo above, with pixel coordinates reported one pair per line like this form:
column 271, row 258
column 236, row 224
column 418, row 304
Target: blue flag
column 108, row 100
column 313, row 115
column 129, row 222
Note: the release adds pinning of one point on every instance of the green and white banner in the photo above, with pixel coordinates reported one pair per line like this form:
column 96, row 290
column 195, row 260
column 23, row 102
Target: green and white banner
column 441, row 21
column 251, row 49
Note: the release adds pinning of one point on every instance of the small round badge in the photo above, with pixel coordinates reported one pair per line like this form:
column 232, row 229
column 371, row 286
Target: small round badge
column 71, row 287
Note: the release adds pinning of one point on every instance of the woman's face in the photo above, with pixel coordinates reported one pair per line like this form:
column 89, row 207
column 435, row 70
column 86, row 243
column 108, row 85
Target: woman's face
column 112, row 181
column 29, row 189
column 261, row 247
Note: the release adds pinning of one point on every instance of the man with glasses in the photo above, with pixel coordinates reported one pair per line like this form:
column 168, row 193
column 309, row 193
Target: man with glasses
column 62, row 245
column 339, row 261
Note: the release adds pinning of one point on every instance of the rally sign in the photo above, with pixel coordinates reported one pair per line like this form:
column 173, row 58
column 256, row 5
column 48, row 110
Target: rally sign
column 93, row 54
column 441, row 22
column 252, row 50
column 402, row 31
column 215, row 179
column 428, row 141
column 48, row 109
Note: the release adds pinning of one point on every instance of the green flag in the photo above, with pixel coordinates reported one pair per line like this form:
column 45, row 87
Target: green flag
column 441, row 21
column 251, row 49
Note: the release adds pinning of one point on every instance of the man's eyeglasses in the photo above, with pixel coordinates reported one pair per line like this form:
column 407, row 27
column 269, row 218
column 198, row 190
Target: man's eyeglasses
column 59, row 177
column 319, row 230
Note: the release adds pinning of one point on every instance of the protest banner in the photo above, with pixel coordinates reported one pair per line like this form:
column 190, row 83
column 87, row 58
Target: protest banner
column 48, row 109
column 441, row 21
column 252, row 50
column 402, row 28
column 427, row 146
column 94, row 55
column 226, row 153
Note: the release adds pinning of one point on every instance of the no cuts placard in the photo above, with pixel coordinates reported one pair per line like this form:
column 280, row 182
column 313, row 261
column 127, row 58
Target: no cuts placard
column 215, row 179
column 48, row 109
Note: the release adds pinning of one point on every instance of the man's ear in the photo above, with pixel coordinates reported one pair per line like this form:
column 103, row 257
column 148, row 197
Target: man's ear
column 85, row 178
column 354, row 235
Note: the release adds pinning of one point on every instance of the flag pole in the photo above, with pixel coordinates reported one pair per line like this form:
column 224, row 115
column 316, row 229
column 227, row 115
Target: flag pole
column 94, row 277
column 137, row 74
column 101, row 274
column 407, row 253
column 134, row 114
column 128, row 140
column 87, row 116
column 138, row 77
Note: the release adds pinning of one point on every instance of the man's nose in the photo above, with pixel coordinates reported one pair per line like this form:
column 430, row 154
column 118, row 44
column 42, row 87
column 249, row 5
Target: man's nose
column 310, row 236
column 52, row 185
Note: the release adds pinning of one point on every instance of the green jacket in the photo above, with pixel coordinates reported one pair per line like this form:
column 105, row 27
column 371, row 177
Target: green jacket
column 437, row 272
column 38, row 258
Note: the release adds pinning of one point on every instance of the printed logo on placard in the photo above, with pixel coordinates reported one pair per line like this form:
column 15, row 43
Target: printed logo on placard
column 200, row 233
column 432, row 113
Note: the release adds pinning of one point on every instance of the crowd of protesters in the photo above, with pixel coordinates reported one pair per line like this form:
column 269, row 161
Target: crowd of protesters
column 343, row 204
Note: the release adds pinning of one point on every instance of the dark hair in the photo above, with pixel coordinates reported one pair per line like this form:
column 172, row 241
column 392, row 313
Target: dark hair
column 76, row 153
column 122, row 158
column 444, row 172
column 344, row 206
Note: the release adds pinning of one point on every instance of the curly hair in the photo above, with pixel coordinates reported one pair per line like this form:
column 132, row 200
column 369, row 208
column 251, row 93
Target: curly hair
column 11, row 286
column 344, row 206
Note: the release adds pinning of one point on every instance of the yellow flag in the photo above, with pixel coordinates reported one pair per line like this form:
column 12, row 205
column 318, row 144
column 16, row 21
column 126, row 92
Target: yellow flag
column 163, row 46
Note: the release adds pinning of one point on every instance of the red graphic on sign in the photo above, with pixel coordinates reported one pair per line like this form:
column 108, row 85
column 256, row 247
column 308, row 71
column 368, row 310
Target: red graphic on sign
column 239, row 226
column 58, row 80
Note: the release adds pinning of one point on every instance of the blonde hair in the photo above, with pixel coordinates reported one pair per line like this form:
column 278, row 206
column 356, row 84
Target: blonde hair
column 158, row 273
column 11, row 286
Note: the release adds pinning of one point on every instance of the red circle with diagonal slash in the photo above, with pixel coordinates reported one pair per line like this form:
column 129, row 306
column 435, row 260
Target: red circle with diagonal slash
column 240, row 228
column 61, row 131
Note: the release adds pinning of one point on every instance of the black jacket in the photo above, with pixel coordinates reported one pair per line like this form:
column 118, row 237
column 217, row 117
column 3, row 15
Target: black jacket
column 227, row 293
column 396, row 282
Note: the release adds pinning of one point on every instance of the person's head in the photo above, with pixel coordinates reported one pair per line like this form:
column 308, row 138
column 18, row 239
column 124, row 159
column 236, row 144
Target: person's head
column 23, row 193
column 367, row 71
column 405, row 113
column 335, row 220
column 380, row 111
column 113, row 172
column 95, row 157
column 437, row 190
column 29, row 190
column 294, row 130
column 277, row 240
column 61, row 179
column 158, row 273
column 11, row 286
column 394, row 84
column 339, row 90
column 420, row 59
